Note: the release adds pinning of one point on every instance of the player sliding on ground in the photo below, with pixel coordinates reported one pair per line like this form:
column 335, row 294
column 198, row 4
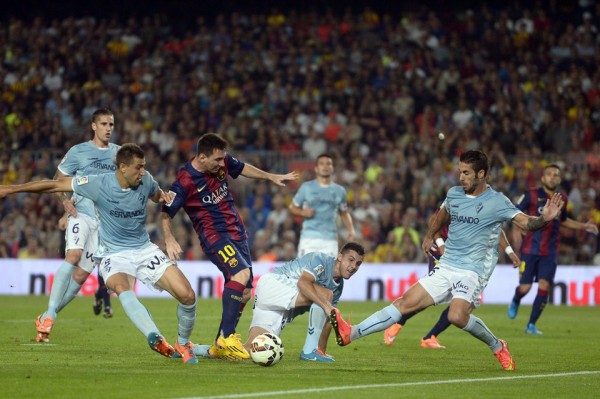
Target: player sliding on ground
column 475, row 213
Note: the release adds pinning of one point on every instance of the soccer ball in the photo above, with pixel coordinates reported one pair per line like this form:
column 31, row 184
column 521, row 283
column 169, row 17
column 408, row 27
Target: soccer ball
column 266, row 349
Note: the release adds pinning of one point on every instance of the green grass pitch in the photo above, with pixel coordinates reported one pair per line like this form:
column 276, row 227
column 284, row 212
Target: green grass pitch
column 91, row 357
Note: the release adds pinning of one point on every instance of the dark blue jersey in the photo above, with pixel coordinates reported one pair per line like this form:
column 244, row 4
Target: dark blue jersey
column 208, row 202
column 543, row 242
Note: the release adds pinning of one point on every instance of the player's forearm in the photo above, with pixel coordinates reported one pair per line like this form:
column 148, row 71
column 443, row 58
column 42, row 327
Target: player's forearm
column 573, row 224
column 165, row 226
column 41, row 186
column 347, row 220
column 62, row 196
column 536, row 222
column 253, row 172
column 296, row 210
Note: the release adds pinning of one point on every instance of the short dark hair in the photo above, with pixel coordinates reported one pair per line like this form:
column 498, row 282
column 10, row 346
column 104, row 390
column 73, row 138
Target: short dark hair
column 552, row 165
column 324, row 155
column 353, row 246
column 129, row 151
column 209, row 142
column 477, row 159
column 101, row 112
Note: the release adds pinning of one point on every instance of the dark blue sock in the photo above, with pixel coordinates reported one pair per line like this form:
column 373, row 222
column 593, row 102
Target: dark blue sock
column 538, row 305
column 232, row 300
column 442, row 324
column 405, row 318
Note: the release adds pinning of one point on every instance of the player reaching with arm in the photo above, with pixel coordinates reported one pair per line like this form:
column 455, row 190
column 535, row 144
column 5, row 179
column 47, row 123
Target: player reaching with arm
column 475, row 214
column 318, row 202
column 539, row 249
column 125, row 251
column 202, row 190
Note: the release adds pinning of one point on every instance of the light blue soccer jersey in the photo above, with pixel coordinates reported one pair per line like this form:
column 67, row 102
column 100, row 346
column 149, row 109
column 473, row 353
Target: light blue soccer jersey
column 122, row 212
column 326, row 201
column 318, row 264
column 474, row 231
column 87, row 159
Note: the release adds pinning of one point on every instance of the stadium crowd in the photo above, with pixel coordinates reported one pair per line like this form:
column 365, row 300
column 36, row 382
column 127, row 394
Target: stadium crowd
column 394, row 97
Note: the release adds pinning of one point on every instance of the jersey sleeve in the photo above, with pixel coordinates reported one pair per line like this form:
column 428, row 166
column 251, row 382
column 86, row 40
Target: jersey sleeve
column 233, row 166
column 69, row 165
column 178, row 201
column 153, row 186
column 300, row 196
column 506, row 209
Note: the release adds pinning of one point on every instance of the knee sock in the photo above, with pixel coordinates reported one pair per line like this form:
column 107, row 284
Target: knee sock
column 62, row 279
column 137, row 313
column 539, row 304
column 316, row 320
column 242, row 306
column 477, row 328
column 442, row 324
column 378, row 321
column 186, row 317
column 232, row 299
column 70, row 294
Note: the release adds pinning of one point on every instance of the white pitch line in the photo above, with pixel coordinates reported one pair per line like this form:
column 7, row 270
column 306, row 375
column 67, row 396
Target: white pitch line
column 391, row 385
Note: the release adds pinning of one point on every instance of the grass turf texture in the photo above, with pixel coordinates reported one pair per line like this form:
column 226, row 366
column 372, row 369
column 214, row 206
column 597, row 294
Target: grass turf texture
column 93, row 357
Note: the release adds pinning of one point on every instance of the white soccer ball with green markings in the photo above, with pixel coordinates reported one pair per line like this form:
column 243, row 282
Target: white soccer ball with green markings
column 266, row 349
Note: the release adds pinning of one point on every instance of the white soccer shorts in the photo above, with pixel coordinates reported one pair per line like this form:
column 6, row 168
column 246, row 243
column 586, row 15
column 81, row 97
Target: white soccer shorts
column 274, row 301
column 308, row 245
column 445, row 283
column 82, row 233
column 147, row 265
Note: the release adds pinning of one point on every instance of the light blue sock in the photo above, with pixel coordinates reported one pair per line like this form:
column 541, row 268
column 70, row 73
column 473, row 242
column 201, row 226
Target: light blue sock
column 62, row 279
column 70, row 294
column 186, row 316
column 378, row 321
column 316, row 321
column 477, row 328
column 201, row 350
column 137, row 313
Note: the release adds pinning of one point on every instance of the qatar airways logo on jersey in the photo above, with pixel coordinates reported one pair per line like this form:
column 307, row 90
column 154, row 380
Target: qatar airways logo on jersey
column 216, row 196
column 103, row 166
column 120, row 213
column 464, row 219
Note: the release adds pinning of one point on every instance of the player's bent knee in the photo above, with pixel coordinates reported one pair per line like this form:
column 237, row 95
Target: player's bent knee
column 80, row 275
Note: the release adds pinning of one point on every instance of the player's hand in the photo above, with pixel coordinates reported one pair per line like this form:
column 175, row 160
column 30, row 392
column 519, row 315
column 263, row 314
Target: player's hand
column 426, row 246
column 514, row 260
column 166, row 198
column 590, row 227
column 553, row 207
column 174, row 250
column 69, row 205
column 307, row 211
column 62, row 222
column 281, row 179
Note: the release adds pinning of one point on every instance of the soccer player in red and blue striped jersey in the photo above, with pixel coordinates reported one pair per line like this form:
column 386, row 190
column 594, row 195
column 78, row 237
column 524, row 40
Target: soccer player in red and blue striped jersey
column 202, row 190
column 539, row 249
